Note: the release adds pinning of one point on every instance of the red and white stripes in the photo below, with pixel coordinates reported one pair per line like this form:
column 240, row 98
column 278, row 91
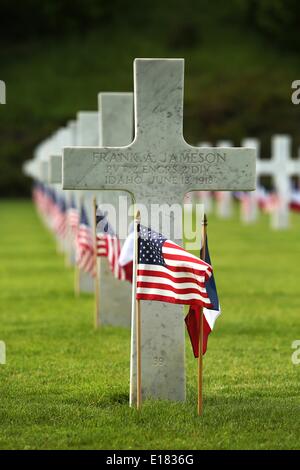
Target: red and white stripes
column 180, row 281
column 109, row 246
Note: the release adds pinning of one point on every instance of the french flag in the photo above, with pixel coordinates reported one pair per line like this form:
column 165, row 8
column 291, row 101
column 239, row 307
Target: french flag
column 210, row 315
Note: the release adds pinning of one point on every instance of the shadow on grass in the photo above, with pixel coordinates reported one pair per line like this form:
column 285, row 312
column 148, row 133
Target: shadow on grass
column 104, row 401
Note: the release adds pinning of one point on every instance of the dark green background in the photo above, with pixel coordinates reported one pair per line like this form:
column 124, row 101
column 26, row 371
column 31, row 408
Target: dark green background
column 55, row 56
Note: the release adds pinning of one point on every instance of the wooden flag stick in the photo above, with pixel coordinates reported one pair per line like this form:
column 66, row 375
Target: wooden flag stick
column 200, row 345
column 138, row 325
column 97, row 271
column 200, row 364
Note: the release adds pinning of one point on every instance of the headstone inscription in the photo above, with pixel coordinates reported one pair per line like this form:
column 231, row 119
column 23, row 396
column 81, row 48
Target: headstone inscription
column 116, row 129
column 158, row 168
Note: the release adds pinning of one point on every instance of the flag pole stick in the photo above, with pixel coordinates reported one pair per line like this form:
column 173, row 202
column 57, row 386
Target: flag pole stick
column 97, row 273
column 138, row 326
column 200, row 345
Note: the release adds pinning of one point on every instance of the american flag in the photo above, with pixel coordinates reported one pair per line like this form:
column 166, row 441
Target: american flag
column 85, row 256
column 42, row 197
column 60, row 217
column 50, row 207
column 108, row 244
column 168, row 273
column 73, row 216
column 210, row 314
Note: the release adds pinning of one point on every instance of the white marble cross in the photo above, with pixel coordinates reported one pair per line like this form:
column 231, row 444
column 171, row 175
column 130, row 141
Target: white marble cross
column 159, row 167
column 281, row 167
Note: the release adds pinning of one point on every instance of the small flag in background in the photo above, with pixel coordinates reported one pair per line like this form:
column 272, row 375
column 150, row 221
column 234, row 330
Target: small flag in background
column 108, row 244
column 60, row 217
column 84, row 245
column 51, row 207
column 168, row 273
column 210, row 314
column 38, row 195
column 73, row 216
column 45, row 200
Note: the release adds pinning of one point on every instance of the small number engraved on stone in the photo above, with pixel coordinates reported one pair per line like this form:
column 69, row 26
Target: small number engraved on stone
column 158, row 361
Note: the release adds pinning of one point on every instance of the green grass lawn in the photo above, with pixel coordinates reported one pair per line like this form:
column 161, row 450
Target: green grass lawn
column 66, row 385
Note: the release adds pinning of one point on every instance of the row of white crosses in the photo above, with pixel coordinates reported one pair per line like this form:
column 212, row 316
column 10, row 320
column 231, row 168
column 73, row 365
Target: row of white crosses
column 280, row 167
column 153, row 165
column 112, row 124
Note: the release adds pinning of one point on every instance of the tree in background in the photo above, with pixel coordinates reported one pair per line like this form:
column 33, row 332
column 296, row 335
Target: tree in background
column 277, row 19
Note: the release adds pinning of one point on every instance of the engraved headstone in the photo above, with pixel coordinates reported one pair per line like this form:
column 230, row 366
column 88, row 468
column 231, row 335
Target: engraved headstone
column 158, row 168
